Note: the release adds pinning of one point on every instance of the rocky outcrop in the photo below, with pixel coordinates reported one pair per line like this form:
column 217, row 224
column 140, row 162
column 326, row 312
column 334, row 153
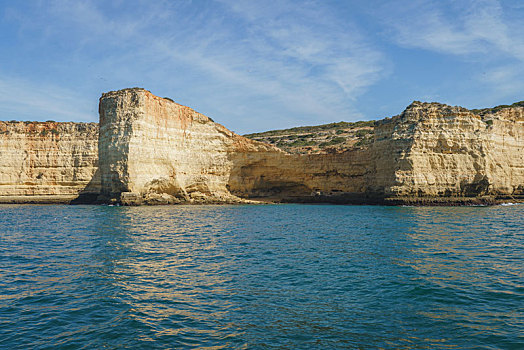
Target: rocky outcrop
column 151, row 150
column 430, row 154
column 48, row 162
column 446, row 153
column 155, row 151
column 339, row 177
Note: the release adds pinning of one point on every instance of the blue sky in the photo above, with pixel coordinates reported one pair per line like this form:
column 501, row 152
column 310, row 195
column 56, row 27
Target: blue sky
column 260, row 65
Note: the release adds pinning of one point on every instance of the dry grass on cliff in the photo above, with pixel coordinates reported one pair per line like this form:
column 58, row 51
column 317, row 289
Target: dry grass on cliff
column 324, row 138
column 495, row 109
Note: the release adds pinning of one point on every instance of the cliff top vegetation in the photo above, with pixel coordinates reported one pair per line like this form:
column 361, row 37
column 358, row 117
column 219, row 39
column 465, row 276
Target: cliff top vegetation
column 496, row 108
column 332, row 137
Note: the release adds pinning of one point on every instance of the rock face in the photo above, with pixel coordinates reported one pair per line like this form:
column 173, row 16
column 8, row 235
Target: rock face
column 430, row 154
column 336, row 177
column 151, row 150
column 155, row 151
column 433, row 150
column 48, row 162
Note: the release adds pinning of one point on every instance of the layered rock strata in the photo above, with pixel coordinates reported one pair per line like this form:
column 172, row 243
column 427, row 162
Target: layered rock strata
column 341, row 177
column 48, row 162
column 435, row 152
column 151, row 150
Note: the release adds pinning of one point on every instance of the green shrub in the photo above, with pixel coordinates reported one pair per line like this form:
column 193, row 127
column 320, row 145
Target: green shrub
column 364, row 142
column 363, row 132
column 333, row 141
column 305, row 136
column 314, row 129
column 302, row 143
column 497, row 108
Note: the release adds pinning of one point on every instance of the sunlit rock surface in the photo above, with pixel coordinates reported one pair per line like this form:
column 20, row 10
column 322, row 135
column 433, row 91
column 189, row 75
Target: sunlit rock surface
column 151, row 150
column 48, row 162
column 437, row 151
column 155, row 151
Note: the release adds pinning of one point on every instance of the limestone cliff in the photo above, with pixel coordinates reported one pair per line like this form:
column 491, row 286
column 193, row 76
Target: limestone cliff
column 48, row 162
column 154, row 150
column 339, row 177
column 433, row 150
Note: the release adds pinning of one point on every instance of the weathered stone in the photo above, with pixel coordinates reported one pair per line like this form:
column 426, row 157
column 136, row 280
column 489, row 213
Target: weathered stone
column 152, row 145
column 160, row 199
column 48, row 162
column 435, row 150
column 131, row 199
column 154, row 151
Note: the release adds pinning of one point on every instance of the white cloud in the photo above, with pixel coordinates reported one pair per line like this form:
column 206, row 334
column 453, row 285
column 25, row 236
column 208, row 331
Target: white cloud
column 464, row 28
column 508, row 80
column 484, row 33
column 301, row 61
column 256, row 65
column 310, row 36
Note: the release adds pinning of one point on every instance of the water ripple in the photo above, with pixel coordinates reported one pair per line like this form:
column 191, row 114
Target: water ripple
column 285, row 276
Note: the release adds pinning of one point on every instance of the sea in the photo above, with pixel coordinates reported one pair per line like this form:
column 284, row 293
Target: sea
column 261, row 277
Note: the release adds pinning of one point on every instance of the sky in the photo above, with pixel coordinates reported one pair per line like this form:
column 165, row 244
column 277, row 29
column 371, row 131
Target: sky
column 260, row 65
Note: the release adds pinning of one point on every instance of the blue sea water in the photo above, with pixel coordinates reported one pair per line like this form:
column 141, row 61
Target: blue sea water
column 261, row 277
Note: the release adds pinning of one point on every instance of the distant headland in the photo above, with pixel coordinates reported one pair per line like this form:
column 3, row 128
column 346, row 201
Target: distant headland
column 151, row 150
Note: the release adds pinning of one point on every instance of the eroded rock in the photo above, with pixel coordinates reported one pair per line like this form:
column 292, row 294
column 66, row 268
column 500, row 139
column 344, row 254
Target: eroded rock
column 153, row 151
column 48, row 162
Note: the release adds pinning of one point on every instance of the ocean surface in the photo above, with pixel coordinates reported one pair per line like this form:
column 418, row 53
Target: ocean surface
column 261, row 277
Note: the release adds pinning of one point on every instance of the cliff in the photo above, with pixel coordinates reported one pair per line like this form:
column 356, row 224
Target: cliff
column 339, row 177
column 151, row 150
column 48, row 162
column 155, row 151
column 435, row 151
column 430, row 154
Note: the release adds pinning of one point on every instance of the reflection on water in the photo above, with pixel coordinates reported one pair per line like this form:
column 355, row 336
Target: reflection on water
column 286, row 276
column 168, row 275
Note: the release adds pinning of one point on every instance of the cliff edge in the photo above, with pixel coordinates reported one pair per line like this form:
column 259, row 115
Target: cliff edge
column 442, row 153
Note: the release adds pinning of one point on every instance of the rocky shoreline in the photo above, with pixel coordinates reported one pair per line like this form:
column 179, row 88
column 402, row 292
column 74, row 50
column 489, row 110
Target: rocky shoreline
column 149, row 150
